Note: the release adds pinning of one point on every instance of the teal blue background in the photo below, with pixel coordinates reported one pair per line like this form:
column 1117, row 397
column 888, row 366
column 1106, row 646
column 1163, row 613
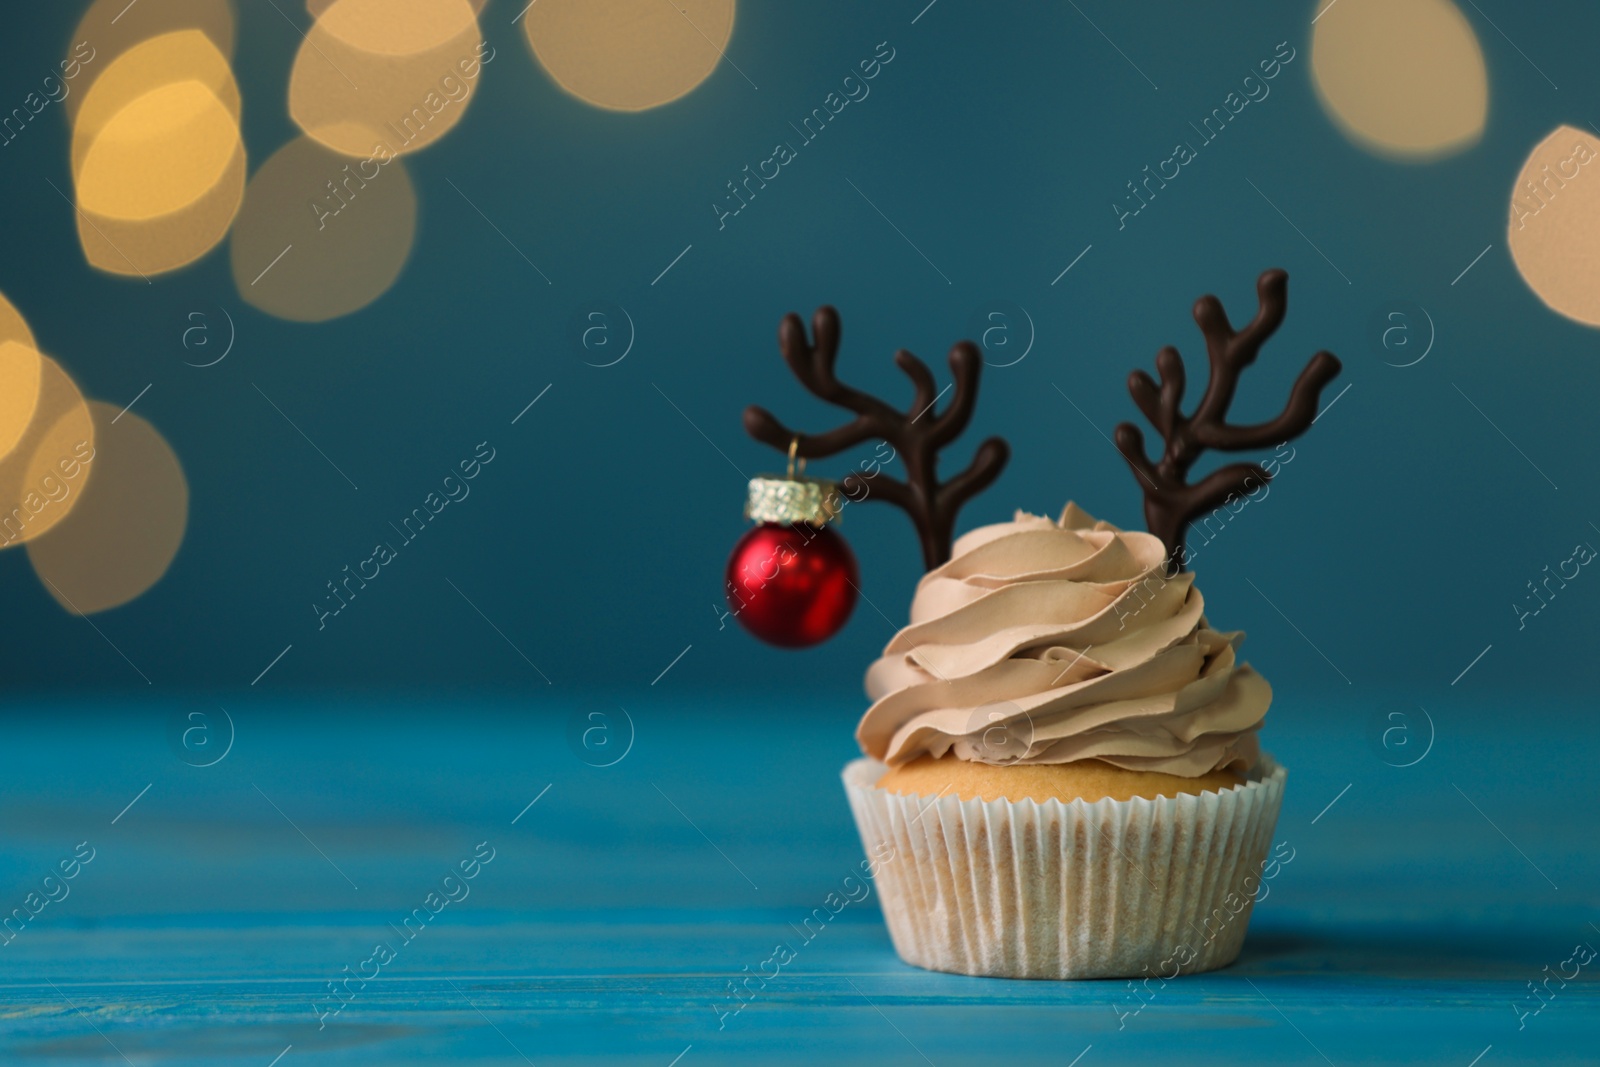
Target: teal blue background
column 1441, row 761
column 996, row 140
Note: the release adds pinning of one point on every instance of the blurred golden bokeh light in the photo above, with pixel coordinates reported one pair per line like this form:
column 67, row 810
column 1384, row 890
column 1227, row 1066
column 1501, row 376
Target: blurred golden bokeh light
column 123, row 536
column 21, row 376
column 629, row 55
column 150, row 246
column 111, row 28
column 46, row 471
column 1402, row 78
column 378, row 78
column 1554, row 230
column 13, row 327
column 186, row 55
column 158, row 161
column 317, row 7
column 320, row 234
column 400, row 28
column 20, row 371
column 159, row 154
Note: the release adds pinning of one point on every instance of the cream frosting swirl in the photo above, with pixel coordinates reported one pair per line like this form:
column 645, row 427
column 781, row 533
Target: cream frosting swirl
column 1047, row 642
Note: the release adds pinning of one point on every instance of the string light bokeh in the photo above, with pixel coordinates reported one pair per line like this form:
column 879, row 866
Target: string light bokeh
column 46, row 471
column 384, row 77
column 629, row 55
column 342, row 229
column 1554, row 232
column 1402, row 78
column 124, row 534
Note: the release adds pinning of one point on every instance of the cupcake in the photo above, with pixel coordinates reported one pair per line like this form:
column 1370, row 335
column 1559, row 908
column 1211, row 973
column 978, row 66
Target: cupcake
column 1062, row 760
column 1061, row 777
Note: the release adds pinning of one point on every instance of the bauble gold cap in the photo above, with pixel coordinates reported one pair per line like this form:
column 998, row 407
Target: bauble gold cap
column 799, row 499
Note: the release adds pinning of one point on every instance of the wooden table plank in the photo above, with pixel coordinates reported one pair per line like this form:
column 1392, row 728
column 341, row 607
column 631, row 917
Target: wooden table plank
column 616, row 910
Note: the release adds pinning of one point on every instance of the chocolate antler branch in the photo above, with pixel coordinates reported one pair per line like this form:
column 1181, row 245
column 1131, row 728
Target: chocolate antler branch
column 917, row 434
column 1170, row 502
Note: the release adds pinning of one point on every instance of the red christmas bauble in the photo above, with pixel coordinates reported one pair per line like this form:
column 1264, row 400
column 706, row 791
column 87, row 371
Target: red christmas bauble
column 792, row 584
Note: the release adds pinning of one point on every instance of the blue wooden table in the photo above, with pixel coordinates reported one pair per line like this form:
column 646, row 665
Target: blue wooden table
column 535, row 907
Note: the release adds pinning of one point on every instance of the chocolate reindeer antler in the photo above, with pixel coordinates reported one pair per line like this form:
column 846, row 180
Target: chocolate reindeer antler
column 916, row 434
column 1170, row 502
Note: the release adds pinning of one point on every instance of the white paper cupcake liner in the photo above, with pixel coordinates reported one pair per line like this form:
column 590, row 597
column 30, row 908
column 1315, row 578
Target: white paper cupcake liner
column 1109, row 889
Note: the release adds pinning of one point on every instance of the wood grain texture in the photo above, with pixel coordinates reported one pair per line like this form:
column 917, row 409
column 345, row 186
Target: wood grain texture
column 617, row 909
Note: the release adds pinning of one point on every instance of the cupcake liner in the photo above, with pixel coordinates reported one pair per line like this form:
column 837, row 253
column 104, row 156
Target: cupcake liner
column 1068, row 889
